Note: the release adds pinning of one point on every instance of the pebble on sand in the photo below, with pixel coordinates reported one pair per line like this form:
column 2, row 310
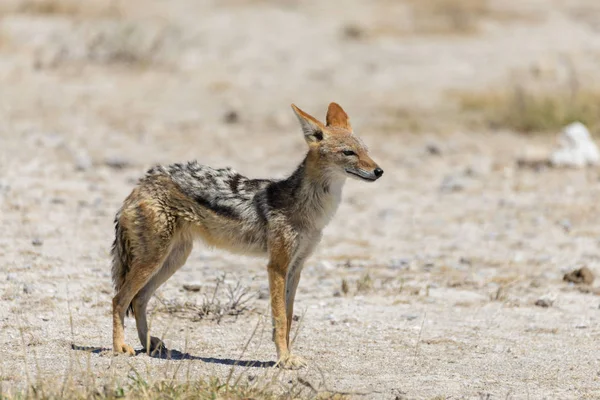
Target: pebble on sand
column 192, row 287
column 544, row 302
column 581, row 275
column 576, row 148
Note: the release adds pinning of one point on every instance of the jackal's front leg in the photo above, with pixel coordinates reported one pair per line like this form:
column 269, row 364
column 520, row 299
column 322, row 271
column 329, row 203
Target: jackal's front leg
column 278, row 266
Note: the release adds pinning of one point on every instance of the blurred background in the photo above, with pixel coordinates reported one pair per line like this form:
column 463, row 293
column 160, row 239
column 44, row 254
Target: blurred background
column 148, row 67
column 460, row 102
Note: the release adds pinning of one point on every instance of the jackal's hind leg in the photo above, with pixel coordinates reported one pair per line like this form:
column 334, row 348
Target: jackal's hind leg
column 133, row 283
column 143, row 267
column 180, row 250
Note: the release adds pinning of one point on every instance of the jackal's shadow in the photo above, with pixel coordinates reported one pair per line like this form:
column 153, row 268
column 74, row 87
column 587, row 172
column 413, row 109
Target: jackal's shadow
column 166, row 354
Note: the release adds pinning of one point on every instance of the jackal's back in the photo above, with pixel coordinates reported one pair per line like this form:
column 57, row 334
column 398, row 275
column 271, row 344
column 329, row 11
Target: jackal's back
column 221, row 190
column 220, row 206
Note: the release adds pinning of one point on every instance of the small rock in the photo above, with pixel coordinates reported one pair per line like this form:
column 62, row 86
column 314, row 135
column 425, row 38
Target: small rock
column 581, row 275
column 27, row 289
column 231, row 117
column 353, row 31
column 116, row 162
column 433, row 149
column 192, row 287
column 576, row 148
column 544, row 301
column 37, row 242
column 465, row 261
column 11, row 277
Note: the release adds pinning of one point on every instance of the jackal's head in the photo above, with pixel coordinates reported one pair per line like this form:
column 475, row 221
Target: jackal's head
column 335, row 148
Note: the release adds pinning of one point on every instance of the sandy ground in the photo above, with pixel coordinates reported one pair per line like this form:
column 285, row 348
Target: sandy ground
column 444, row 257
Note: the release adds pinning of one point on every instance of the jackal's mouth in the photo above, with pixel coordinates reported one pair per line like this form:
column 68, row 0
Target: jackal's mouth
column 363, row 175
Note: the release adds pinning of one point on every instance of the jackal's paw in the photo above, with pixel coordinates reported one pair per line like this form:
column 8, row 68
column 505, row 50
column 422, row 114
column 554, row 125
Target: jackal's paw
column 291, row 361
column 157, row 346
column 123, row 348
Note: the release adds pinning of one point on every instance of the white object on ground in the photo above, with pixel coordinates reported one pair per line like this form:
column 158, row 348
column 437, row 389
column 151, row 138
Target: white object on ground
column 577, row 149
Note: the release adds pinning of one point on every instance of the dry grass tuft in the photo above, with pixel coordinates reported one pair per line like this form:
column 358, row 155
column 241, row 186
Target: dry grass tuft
column 364, row 284
column 224, row 300
column 528, row 110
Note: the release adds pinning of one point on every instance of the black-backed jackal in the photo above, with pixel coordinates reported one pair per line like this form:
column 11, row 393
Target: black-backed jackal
column 283, row 219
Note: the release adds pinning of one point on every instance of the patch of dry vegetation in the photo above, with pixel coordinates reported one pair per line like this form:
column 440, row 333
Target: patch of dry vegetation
column 527, row 110
column 137, row 387
column 223, row 300
column 104, row 33
column 374, row 282
column 112, row 42
column 429, row 17
column 82, row 381
column 362, row 285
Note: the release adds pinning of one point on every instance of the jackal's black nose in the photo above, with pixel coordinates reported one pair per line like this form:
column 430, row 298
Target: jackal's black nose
column 378, row 172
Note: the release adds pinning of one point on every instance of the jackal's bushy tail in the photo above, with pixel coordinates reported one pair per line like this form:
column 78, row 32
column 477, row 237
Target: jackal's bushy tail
column 121, row 257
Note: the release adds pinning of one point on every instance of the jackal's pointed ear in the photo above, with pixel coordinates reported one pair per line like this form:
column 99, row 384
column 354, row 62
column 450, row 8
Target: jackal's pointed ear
column 312, row 128
column 336, row 116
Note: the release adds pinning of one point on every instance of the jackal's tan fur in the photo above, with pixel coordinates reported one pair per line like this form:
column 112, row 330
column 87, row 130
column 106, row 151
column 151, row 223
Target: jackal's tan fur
column 173, row 205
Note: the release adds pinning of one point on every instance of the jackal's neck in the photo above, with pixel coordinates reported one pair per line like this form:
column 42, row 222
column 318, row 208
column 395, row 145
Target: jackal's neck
column 316, row 191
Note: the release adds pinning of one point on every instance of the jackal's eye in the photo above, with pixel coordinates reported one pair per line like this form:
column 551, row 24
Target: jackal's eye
column 348, row 153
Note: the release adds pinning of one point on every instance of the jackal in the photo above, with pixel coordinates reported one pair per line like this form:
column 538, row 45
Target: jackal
column 172, row 205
